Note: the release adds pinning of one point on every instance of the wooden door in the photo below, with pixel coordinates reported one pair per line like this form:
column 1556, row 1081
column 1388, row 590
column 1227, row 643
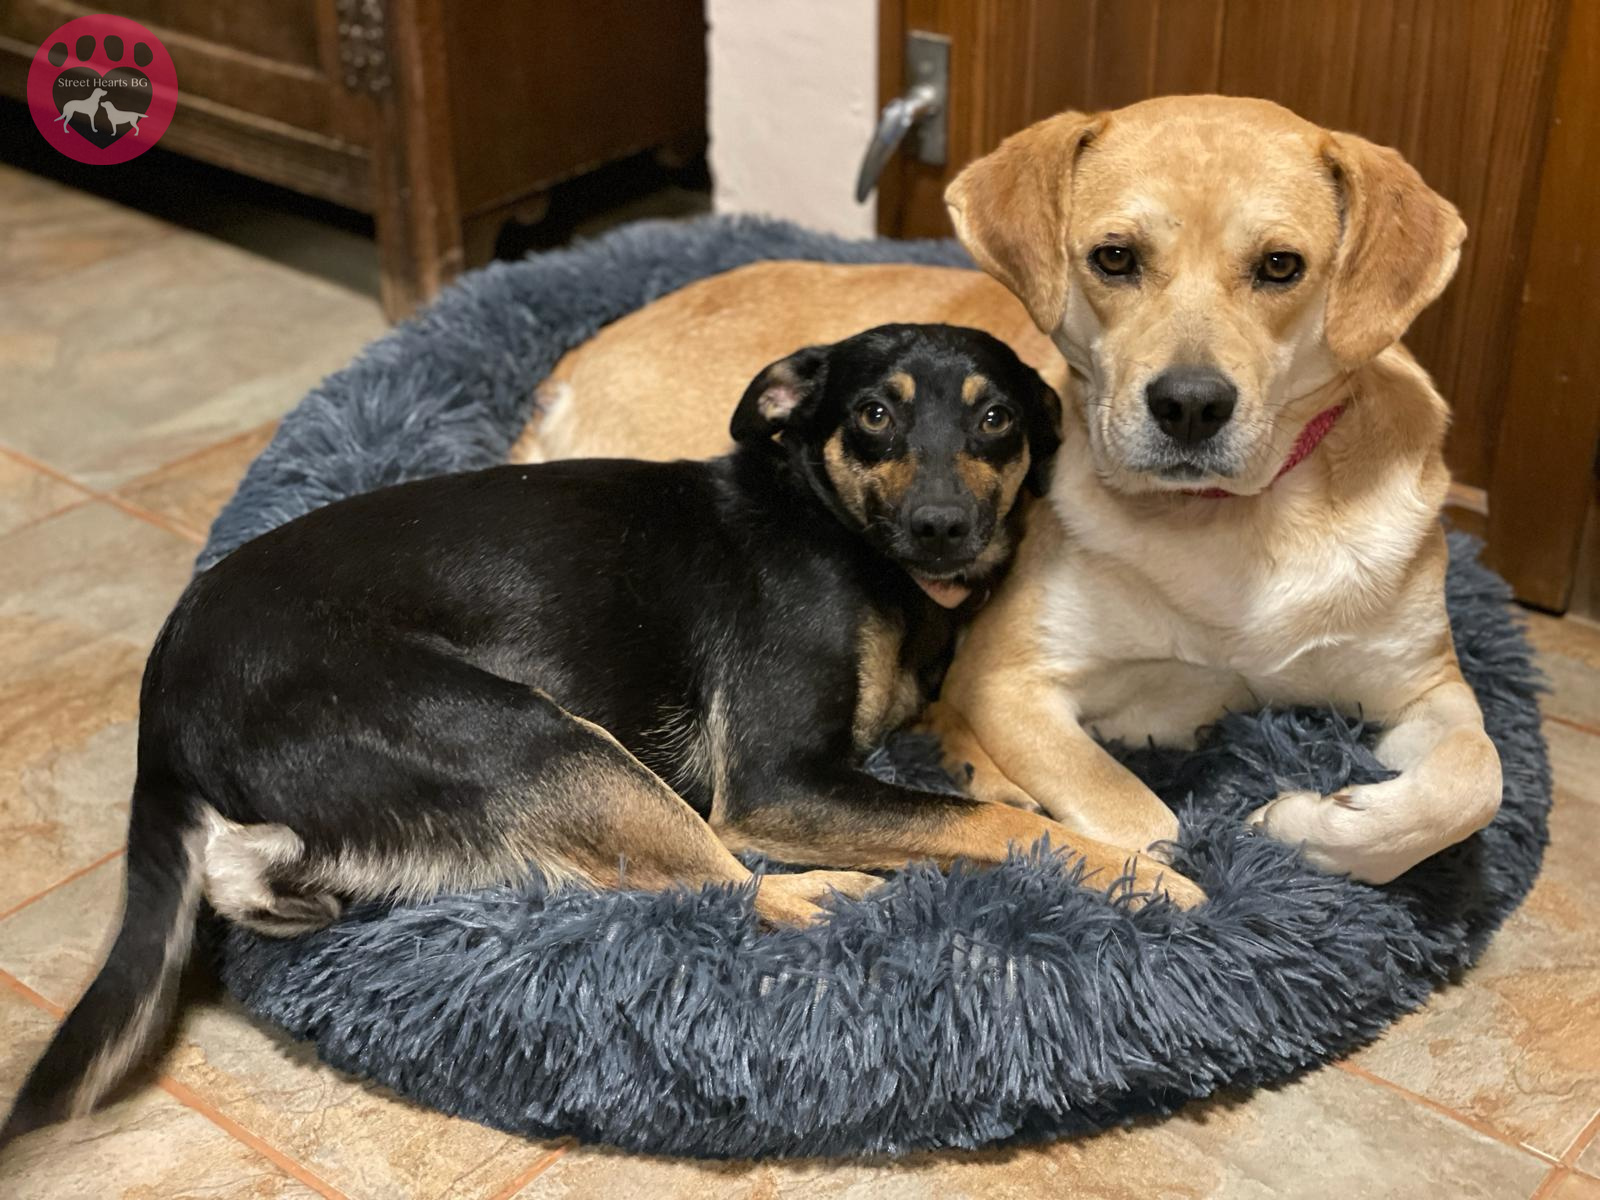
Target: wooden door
column 1466, row 89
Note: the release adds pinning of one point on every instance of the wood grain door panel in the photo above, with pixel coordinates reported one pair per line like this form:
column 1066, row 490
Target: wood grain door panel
column 578, row 73
column 283, row 31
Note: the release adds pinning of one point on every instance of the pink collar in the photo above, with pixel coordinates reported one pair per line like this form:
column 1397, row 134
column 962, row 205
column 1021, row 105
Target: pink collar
column 1310, row 438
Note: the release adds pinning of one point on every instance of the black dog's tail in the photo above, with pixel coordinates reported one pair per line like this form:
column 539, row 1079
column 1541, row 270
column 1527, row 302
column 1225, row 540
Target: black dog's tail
column 129, row 1000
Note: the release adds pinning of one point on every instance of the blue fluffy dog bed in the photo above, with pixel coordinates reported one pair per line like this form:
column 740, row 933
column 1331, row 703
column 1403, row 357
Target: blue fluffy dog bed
column 956, row 1010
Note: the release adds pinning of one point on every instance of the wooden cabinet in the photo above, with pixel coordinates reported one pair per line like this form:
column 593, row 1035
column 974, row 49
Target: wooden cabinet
column 441, row 118
column 1497, row 102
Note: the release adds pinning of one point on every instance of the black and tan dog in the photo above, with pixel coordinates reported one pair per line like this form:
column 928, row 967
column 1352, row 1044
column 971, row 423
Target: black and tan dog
column 617, row 672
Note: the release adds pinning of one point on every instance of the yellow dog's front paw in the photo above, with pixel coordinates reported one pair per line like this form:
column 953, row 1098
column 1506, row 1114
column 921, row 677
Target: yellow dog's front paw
column 1336, row 833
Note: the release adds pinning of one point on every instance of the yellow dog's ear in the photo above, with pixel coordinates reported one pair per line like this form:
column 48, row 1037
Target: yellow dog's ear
column 1400, row 247
column 1011, row 207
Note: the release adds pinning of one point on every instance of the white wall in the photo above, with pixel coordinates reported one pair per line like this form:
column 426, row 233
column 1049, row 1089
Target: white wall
column 793, row 99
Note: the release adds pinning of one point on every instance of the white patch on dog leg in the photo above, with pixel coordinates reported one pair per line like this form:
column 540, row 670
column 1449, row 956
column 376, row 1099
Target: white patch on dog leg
column 240, row 863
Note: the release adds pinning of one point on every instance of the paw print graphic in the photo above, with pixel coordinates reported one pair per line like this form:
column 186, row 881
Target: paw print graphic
column 105, row 86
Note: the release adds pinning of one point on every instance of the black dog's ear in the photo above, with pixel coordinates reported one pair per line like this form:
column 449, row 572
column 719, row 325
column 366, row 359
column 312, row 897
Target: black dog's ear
column 1044, row 435
column 779, row 396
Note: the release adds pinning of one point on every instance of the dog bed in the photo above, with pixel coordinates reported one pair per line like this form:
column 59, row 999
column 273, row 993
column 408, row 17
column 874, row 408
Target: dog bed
column 945, row 1011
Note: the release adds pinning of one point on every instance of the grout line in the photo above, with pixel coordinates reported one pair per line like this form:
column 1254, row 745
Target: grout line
column 191, row 455
column 540, row 1165
column 1580, row 1143
column 31, row 996
column 1592, row 730
column 43, row 517
column 45, row 468
column 63, row 881
column 176, row 528
column 190, row 1099
column 1444, row 1110
column 1553, row 1179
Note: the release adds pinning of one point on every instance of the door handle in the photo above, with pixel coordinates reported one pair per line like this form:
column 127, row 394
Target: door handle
column 923, row 110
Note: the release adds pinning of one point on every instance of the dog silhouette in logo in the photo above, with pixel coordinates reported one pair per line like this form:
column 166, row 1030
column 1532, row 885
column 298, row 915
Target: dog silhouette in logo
column 90, row 106
column 117, row 117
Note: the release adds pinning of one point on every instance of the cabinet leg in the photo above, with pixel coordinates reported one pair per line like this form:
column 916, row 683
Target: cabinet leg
column 413, row 169
column 478, row 236
column 480, row 233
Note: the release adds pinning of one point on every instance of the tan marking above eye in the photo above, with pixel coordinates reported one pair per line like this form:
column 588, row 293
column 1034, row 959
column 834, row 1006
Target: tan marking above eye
column 904, row 385
column 971, row 388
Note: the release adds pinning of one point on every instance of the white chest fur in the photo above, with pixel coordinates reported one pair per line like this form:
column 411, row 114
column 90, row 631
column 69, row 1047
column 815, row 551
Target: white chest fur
column 1159, row 613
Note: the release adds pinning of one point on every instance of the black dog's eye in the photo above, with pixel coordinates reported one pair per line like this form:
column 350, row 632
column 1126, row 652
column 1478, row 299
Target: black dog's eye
column 997, row 420
column 1281, row 266
column 873, row 417
column 1114, row 260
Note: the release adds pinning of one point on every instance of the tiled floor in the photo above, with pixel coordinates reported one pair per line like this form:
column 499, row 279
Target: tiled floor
column 143, row 366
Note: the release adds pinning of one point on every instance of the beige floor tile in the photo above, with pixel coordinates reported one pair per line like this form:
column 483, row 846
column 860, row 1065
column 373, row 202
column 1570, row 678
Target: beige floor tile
column 55, row 944
column 192, row 491
column 1569, row 653
column 167, row 350
column 144, row 1147
column 27, row 495
column 24, row 1029
column 584, row 1174
column 1517, row 1043
column 1589, row 1160
column 1329, row 1136
column 48, row 230
column 1576, row 1187
column 357, row 1137
column 82, row 595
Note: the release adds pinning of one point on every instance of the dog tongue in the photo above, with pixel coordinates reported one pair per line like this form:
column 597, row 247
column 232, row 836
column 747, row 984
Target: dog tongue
column 947, row 593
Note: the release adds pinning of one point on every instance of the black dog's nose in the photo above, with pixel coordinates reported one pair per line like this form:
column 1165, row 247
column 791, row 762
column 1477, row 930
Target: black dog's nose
column 1191, row 403
column 940, row 528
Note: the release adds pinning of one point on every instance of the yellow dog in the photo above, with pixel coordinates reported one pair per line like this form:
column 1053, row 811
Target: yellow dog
column 1245, row 506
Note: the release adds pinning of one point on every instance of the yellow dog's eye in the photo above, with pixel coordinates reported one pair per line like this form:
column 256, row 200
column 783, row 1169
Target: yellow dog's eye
column 873, row 417
column 996, row 420
column 1281, row 266
column 1112, row 259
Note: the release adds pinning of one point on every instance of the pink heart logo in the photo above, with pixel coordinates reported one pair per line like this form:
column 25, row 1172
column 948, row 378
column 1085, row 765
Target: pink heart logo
column 102, row 89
